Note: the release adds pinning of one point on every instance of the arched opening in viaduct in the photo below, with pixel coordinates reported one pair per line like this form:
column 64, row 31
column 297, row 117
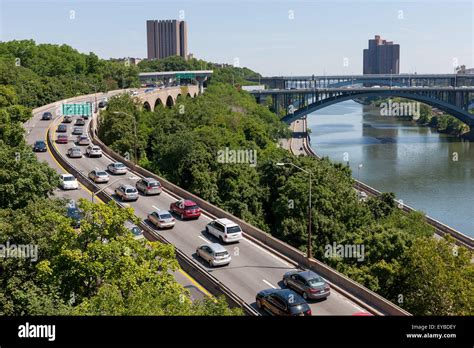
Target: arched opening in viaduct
column 169, row 101
column 158, row 103
column 146, row 106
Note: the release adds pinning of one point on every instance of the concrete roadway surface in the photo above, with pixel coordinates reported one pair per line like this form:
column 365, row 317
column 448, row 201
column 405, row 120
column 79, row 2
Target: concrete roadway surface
column 252, row 268
column 36, row 130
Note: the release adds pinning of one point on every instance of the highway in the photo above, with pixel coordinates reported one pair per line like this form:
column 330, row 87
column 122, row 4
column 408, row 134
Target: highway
column 252, row 269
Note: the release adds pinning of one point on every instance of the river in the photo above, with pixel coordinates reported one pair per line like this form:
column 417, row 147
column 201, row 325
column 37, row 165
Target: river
column 428, row 171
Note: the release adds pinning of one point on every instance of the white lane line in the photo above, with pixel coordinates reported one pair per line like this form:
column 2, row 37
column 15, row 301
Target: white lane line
column 354, row 305
column 156, row 207
column 269, row 284
column 269, row 253
column 204, row 239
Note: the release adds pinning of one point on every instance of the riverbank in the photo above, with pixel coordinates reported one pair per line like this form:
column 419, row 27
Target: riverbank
column 300, row 144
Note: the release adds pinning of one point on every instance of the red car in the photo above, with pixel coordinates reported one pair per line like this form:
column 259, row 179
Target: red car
column 186, row 209
column 62, row 139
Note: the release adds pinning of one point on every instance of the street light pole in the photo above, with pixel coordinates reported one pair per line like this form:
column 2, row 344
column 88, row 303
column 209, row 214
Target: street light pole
column 134, row 130
column 358, row 175
column 309, row 247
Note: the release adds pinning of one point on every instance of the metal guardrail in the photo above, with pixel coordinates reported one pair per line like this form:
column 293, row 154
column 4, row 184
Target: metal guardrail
column 212, row 284
column 440, row 228
column 351, row 289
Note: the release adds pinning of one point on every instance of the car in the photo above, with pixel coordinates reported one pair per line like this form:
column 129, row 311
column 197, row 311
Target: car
column 214, row 254
column 117, row 168
column 47, row 116
column 362, row 196
column 102, row 104
column 82, row 140
column 74, row 213
column 376, row 86
column 74, row 152
column 77, row 131
column 282, row 302
column 126, row 192
column 67, row 119
column 98, row 176
column 62, row 139
column 148, row 186
column 80, row 122
column 136, row 231
column 186, row 209
column 68, row 182
column 62, row 128
column 40, row 146
column 93, row 151
column 161, row 219
column 225, row 230
column 308, row 283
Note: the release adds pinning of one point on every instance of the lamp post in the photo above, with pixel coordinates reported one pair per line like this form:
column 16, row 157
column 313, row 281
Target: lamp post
column 358, row 175
column 134, row 129
column 110, row 184
column 309, row 249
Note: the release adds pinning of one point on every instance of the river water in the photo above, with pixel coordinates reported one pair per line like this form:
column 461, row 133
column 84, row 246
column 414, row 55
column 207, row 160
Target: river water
column 428, row 171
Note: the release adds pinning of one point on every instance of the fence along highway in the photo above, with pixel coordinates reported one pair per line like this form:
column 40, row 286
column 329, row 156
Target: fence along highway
column 253, row 267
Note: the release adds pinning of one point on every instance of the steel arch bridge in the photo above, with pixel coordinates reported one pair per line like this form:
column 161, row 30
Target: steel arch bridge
column 301, row 102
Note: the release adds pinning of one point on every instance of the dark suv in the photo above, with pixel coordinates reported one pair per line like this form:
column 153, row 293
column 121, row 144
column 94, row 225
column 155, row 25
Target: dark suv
column 282, row 302
column 39, row 146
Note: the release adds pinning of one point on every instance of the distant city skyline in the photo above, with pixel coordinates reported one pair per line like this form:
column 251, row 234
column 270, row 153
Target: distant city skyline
column 271, row 37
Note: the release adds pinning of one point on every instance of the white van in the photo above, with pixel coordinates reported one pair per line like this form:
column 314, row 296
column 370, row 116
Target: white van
column 226, row 230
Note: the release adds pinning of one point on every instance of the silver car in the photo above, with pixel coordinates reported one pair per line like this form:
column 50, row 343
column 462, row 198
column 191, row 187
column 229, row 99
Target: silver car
column 309, row 283
column 126, row 192
column 149, row 186
column 77, row 131
column 74, row 152
column 136, row 231
column 117, row 168
column 99, row 176
column 83, row 140
column 162, row 219
column 214, row 254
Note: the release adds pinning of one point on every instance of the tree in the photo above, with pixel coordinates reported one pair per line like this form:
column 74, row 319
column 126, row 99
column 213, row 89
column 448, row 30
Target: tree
column 436, row 278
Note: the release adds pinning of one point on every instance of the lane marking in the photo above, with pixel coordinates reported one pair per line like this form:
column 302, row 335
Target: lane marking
column 269, row 284
column 154, row 206
column 267, row 252
column 59, row 164
column 204, row 239
column 191, row 279
column 197, row 285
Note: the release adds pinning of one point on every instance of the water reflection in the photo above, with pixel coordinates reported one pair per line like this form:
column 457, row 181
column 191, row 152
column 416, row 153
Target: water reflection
column 430, row 171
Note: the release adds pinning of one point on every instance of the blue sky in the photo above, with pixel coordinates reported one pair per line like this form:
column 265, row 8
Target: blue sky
column 271, row 37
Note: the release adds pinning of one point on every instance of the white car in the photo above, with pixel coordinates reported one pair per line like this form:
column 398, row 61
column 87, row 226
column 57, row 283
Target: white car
column 68, row 182
column 162, row 219
column 117, row 168
column 93, row 151
column 226, row 230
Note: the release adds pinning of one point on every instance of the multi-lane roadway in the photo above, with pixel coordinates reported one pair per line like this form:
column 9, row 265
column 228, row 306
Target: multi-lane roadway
column 252, row 268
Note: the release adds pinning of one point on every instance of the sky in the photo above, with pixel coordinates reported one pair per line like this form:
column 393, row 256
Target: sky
column 297, row 37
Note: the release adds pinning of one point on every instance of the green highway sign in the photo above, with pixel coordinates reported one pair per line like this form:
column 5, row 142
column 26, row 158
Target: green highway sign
column 185, row 76
column 77, row 109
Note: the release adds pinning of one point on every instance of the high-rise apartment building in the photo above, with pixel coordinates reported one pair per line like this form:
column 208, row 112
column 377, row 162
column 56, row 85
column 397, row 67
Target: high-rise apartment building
column 167, row 38
column 382, row 57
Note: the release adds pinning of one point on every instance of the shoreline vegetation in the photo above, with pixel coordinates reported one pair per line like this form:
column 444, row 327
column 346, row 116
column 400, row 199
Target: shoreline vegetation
column 429, row 117
column 401, row 261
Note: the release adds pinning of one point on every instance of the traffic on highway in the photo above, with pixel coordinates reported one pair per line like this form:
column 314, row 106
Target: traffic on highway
column 262, row 278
